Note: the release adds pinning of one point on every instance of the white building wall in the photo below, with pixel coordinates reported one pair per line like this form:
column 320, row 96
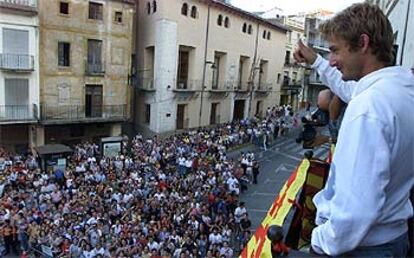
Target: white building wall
column 165, row 70
column 30, row 24
column 398, row 20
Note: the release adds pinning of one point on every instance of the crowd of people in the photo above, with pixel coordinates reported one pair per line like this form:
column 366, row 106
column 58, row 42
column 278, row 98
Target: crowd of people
column 172, row 197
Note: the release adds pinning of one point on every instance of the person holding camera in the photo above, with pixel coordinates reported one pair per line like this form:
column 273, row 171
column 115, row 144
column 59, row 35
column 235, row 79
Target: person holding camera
column 364, row 207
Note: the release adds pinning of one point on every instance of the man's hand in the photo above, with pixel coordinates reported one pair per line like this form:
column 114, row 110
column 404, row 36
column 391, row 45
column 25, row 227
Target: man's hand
column 304, row 54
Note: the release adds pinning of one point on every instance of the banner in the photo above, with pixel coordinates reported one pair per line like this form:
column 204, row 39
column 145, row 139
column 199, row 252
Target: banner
column 259, row 246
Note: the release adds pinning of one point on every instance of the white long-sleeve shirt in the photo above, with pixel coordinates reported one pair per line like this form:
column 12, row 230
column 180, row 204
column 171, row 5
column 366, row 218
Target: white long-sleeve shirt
column 366, row 199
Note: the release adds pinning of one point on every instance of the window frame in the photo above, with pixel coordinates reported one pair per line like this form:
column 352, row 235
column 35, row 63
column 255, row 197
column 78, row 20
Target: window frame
column 184, row 9
column 61, row 62
column 67, row 6
column 193, row 12
column 220, row 20
column 115, row 17
column 95, row 16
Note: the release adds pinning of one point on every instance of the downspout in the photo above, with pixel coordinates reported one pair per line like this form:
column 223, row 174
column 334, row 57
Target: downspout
column 254, row 70
column 407, row 17
column 203, row 86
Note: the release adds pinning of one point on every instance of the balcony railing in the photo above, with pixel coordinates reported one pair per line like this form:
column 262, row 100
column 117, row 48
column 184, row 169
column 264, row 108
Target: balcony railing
column 16, row 113
column 222, row 85
column 74, row 113
column 16, row 62
column 264, row 86
column 242, row 86
column 23, row 5
column 146, row 84
column 94, row 68
column 188, row 85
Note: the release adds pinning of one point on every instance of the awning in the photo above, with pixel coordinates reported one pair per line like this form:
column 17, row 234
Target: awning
column 53, row 149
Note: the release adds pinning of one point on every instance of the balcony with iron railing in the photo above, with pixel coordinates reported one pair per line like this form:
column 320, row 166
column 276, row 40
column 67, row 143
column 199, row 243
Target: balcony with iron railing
column 221, row 86
column 56, row 114
column 16, row 62
column 263, row 87
column 18, row 113
column 27, row 6
column 94, row 69
column 187, row 85
column 146, row 84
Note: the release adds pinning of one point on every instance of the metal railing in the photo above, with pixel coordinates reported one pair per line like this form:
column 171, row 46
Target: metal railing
column 146, row 83
column 82, row 112
column 19, row 62
column 18, row 112
column 24, row 3
column 222, row 85
column 241, row 86
column 188, row 85
column 94, row 68
column 264, row 86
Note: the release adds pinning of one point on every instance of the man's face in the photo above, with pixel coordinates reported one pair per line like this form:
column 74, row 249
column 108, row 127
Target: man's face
column 346, row 61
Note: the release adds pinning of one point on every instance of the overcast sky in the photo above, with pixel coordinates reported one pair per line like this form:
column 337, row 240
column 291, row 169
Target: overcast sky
column 293, row 6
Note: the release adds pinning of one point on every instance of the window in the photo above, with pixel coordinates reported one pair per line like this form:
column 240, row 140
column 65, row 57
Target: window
column 16, row 49
column 278, row 78
column 148, row 8
column 94, row 64
column 118, row 17
column 93, row 101
column 154, row 6
column 184, row 9
column 264, row 34
column 147, row 113
column 64, row 8
column 63, row 54
column 227, row 22
column 95, row 11
column 250, row 30
column 287, row 57
column 244, row 29
column 194, row 12
column 268, row 35
column 220, row 20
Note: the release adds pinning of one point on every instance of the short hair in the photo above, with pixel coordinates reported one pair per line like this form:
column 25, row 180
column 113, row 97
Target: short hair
column 358, row 19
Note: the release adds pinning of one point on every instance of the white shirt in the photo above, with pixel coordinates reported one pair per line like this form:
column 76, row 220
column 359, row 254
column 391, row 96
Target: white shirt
column 366, row 198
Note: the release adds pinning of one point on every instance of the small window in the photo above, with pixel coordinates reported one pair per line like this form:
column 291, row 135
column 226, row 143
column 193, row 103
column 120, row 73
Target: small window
column 250, row 30
column 147, row 113
column 148, row 8
column 184, row 9
column 244, row 27
column 220, row 20
column 278, row 77
column 64, row 8
column 227, row 22
column 118, row 17
column 194, row 12
column 268, row 35
column 63, row 54
column 95, row 11
column 154, row 6
column 264, row 34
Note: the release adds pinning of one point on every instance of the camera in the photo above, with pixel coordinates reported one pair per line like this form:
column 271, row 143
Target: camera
column 319, row 118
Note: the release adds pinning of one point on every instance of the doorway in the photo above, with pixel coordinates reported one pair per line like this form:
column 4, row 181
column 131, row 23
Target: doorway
column 238, row 113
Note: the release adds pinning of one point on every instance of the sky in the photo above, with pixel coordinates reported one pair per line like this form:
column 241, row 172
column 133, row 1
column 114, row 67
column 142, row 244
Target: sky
column 293, row 6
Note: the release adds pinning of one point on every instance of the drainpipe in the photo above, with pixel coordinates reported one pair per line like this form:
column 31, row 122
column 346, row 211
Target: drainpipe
column 407, row 17
column 203, row 86
column 254, row 70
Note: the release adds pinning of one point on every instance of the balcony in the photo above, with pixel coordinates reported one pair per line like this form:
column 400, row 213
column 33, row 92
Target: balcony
column 221, row 86
column 18, row 114
column 94, row 69
column 187, row 85
column 263, row 87
column 67, row 114
column 26, row 6
column 146, row 84
column 17, row 62
column 242, row 87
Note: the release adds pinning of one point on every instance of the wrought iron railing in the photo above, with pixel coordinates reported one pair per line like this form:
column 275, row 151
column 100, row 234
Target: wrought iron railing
column 24, row 3
column 146, row 83
column 18, row 112
column 222, row 85
column 82, row 112
column 94, row 68
column 16, row 62
column 189, row 85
